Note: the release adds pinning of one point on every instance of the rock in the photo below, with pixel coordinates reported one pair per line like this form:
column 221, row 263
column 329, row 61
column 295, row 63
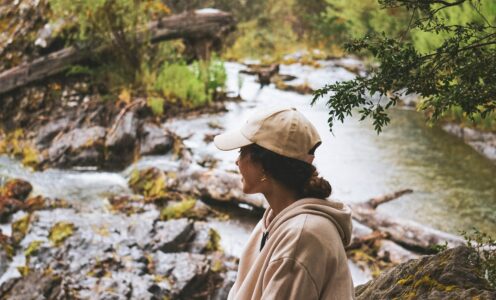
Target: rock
column 9, row 206
column 189, row 272
column 47, row 132
column 36, row 285
column 447, row 275
column 482, row 142
column 154, row 140
column 121, row 141
column 79, row 147
column 216, row 185
column 228, row 280
column 4, row 260
column 172, row 236
column 16, row 188
column 206, row 239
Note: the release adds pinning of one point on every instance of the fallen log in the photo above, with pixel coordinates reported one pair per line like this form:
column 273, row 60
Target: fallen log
column 409, row 234
column 205, row 25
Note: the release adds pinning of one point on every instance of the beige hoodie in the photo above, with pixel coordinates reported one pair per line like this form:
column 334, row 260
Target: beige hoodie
column 303, row 256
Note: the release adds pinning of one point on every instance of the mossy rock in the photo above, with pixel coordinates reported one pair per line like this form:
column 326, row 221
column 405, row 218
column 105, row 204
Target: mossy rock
column 183, row 209
column 447, row 275
column 151, row 183
column 60, row 232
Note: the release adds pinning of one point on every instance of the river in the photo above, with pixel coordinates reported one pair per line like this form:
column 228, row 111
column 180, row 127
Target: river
column 454, row 186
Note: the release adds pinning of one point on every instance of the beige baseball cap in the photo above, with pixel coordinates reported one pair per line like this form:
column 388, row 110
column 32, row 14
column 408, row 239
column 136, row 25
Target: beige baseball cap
column 283, row 130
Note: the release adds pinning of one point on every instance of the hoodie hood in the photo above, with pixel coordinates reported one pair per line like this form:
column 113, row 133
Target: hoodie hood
column 336, row 212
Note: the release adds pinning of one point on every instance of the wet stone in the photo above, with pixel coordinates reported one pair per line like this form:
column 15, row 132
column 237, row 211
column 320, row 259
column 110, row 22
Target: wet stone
column 121, row 142
column 201, row 240
column 187, row 271
column 79, row 147
column 16, row 188
column 154, row 140
column 173, row 235
column 48, row 131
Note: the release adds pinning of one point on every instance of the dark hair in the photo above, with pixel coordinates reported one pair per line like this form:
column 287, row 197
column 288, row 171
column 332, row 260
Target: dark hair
column 294, row 174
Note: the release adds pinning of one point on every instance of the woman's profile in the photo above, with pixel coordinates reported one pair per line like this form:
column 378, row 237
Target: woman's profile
column 296, row 251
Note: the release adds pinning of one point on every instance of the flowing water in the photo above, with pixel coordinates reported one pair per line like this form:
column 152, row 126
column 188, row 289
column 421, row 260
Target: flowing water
column 454, row 186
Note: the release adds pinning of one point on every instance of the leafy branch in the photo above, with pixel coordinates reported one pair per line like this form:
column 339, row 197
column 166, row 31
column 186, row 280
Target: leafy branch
column 460, row 72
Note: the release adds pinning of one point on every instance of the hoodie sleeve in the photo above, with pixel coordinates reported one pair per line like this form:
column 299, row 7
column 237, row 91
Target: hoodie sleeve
column 286, row 278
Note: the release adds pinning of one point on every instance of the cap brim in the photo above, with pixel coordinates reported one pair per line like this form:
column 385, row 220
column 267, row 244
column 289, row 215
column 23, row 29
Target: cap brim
column 231, row 140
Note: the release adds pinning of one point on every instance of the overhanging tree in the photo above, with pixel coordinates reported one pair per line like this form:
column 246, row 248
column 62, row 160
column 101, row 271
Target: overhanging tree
column 461, row 71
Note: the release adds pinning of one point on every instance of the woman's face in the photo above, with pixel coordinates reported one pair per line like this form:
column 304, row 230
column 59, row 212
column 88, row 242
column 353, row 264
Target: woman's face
column 251, row 172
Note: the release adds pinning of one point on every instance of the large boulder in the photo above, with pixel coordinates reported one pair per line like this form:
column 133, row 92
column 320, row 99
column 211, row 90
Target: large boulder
column 47, row 132
column 452, row 274
column 173, row 235
column 79, row 147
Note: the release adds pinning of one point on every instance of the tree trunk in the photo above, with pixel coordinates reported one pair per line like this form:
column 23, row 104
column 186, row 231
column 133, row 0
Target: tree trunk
column 206, row 26
column 409, row 234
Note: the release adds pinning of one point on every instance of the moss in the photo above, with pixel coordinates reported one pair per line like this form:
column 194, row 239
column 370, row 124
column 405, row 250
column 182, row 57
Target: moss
column 213, row 240
column 217, row 266
column 32, row 248
column 60, row 231
column 178, row 210
column 24, row 270
column 14, row 144
column 19, row 228
column 430, row 283
column 405, row 281
column 151, row 183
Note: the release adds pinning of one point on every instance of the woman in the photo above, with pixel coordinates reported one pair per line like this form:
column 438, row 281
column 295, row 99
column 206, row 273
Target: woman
column 297, row 250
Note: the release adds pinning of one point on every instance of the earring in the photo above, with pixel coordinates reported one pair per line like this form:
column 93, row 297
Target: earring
column 263, row 178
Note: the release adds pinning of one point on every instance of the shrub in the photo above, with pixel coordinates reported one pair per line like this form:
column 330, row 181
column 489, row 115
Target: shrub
column 178, row 82
column 484, row 247
column 213, row 74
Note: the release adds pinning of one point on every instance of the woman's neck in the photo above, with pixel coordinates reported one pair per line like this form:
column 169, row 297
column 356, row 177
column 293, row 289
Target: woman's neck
column 279, row 198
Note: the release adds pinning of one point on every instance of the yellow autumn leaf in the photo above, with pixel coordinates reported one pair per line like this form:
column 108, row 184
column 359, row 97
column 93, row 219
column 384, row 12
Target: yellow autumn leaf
column 125, row 96
column 60, row 231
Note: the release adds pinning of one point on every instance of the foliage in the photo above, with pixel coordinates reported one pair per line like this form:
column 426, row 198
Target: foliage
column 33, row 248
column 60, row 232
column 343, row 20
column 151, row 183
column 15, row 144
column 178, row 210
column 213, row 240
column 193, row 85
column 484, row 247
column 118, row 25
column 457, row 115
column 213, row 75
column 156, row 104
column 460, row 72
column 178, row 82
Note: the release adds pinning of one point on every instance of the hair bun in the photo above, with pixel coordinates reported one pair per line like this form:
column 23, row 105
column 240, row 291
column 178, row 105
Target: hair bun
column 317, row 187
